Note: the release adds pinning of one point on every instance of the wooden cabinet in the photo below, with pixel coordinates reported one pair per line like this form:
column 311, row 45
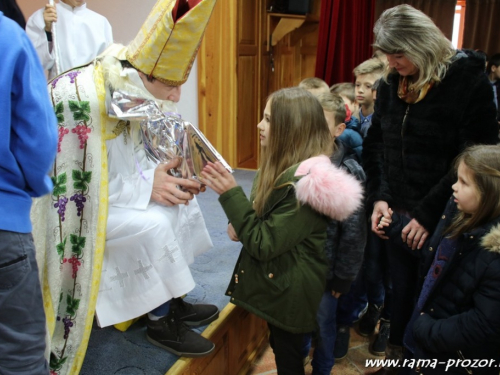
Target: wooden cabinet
column 238, row 67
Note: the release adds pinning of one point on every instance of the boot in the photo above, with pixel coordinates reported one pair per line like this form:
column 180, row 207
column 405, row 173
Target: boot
column 391, row 352
column 369, row 321
column 380, row 343
column 342, row 342
column 173, row 335
column 194, row 315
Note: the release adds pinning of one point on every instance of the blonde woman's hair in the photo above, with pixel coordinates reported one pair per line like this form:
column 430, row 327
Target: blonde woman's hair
column 333, row 103
column 407, row 31
column 483, row 163
column 370, row 66
column 344, row 88
column 378, row 54
column 297, row 131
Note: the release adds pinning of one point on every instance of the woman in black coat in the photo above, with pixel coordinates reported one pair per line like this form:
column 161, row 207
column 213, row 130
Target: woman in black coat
column 432, row 103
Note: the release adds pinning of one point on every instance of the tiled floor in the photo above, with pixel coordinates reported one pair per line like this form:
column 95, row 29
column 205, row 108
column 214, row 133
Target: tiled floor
column 353, row 364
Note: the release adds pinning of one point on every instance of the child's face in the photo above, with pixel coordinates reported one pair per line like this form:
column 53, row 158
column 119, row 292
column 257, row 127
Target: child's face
column 363, row 89
column 335, row 129
column 263, row 126
column 465, row 191
column 495, row 72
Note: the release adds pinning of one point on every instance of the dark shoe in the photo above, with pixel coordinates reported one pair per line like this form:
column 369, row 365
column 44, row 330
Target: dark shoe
column 174, row 336
column 341, row 342
column 392, row 352
column 380, row 343
column 369, row 321
column 194, row 315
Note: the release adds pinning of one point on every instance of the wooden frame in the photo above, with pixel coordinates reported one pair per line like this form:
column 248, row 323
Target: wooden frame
column 238, row 337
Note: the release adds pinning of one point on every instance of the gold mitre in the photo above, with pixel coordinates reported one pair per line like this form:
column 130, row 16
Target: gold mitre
column 166, row 45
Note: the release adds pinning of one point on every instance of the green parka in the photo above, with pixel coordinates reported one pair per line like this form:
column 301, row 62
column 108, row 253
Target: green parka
column 281, row 271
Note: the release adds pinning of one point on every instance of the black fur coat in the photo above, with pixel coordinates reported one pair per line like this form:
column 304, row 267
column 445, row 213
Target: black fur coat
column 409, row 165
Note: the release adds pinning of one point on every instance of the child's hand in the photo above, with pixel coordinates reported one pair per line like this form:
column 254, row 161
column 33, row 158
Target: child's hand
column 232, row 233
column 216, row 177
column 49, row 17
column 385, row 221
column 380, row 210
column 336, row 294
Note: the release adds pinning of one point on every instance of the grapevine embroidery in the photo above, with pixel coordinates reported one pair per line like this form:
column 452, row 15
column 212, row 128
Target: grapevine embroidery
column 81, row 179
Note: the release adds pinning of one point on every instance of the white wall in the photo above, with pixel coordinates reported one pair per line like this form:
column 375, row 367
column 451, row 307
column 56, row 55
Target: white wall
column 126, row 18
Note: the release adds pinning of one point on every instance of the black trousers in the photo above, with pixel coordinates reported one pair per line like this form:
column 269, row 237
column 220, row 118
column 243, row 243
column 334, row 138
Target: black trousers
column 404, row 273
column 287, row 348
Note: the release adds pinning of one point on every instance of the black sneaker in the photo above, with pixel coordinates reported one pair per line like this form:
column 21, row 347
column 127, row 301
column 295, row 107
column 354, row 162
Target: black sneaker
column 194, row 315
column 341, row 342
column 174, row 336
column 380, row 343
column 369, row 321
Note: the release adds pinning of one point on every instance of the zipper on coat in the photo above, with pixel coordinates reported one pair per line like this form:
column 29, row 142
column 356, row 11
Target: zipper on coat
column 469, row 371
column 403, row 128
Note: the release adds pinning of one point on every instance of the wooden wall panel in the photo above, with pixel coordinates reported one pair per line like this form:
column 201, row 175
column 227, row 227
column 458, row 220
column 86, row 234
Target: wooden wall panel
column 217, row 80
column 248, row 83
column 294, row 55
column 235, row 73
column 247, row 112
column 248, row 22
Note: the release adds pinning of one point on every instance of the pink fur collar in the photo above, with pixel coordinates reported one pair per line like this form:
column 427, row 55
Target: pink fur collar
column 328, row 189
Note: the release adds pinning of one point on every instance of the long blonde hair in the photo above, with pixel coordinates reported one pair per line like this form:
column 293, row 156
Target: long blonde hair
column 297, row 131
column 407, row 31
column 483, row 163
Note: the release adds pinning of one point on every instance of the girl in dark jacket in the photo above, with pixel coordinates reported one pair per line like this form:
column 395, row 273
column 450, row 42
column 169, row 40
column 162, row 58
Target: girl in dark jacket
column 280, row 274
column 455, row 326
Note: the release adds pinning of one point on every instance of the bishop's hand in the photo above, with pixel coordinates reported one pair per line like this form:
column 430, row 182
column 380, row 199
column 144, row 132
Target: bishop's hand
column 169, row 190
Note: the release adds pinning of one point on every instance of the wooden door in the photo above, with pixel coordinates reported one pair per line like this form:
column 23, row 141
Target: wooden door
column 248, row 63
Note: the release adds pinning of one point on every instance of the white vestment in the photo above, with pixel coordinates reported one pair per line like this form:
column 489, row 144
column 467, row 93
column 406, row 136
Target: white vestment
column 81, row 35
column 148, row 246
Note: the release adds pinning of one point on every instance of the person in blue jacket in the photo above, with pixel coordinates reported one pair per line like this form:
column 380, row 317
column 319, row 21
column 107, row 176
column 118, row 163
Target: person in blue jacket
column 28, row 145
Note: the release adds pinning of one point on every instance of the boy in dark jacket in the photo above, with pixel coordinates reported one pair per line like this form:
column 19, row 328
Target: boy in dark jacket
column 344, row 245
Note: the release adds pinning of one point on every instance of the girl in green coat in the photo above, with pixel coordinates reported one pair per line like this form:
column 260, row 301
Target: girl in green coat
column 280, row 274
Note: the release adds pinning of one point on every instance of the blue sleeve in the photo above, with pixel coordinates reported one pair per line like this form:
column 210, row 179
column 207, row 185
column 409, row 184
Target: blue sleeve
column 34, row 126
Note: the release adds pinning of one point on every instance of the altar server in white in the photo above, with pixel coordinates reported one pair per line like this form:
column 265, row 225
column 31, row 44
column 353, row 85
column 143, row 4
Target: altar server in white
column 80, row 35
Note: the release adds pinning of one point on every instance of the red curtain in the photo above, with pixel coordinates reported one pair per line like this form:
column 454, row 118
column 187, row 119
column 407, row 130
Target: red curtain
column 442, row 12
column 345, row 38
column 481, row 26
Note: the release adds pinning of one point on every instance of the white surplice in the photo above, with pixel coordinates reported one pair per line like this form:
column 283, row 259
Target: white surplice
column 148, row 246
column 81, row 35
